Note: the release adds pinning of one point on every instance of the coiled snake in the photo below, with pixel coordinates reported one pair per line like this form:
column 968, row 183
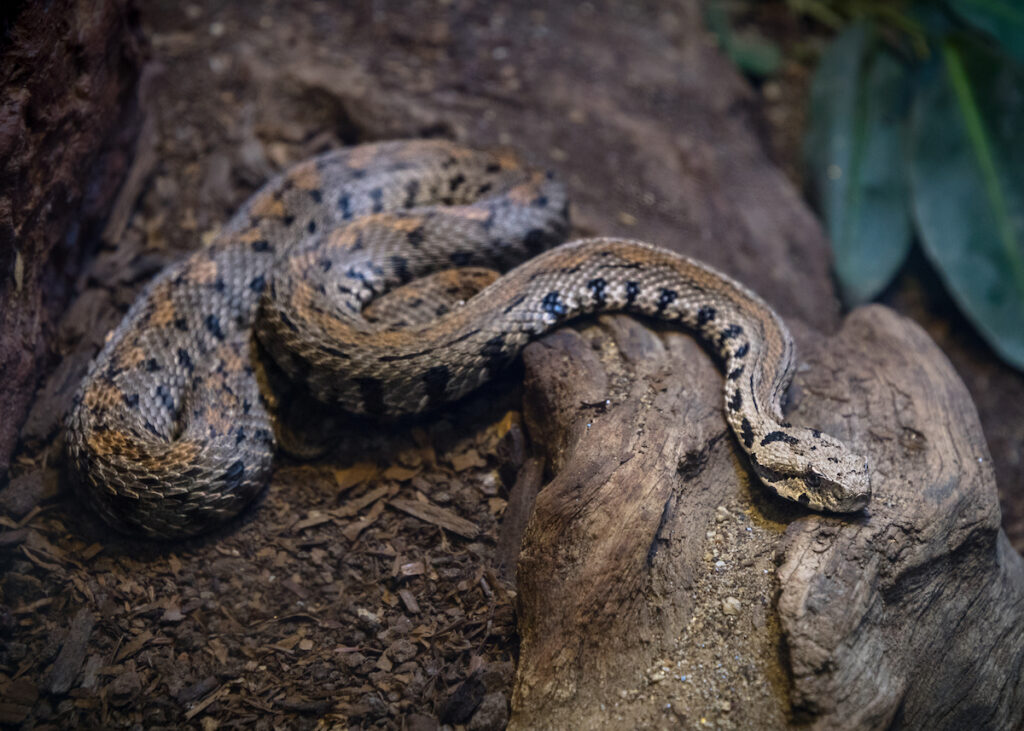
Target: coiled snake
column 169, row 432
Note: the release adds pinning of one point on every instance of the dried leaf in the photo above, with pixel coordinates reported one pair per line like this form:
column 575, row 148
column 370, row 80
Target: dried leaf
column 357, row 474
column 438, row 516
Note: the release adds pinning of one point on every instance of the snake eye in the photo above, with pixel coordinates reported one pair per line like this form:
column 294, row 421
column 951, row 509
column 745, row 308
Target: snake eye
column 813, row 480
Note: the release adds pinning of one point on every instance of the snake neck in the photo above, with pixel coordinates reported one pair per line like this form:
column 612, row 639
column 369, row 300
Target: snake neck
column 412, row 370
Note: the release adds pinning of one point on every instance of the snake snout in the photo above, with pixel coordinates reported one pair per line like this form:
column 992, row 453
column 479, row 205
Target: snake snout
column 852, row 487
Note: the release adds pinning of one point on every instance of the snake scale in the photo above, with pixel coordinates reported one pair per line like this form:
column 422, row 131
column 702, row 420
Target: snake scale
column 170, row 433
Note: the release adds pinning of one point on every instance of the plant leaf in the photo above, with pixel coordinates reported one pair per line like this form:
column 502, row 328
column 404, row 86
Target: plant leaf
column 855, row 149
column 754, row 54
column 967, row 178
column 1001, row 19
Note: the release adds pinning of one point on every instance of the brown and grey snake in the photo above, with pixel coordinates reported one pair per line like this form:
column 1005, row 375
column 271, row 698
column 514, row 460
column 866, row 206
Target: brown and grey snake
column 170, row 434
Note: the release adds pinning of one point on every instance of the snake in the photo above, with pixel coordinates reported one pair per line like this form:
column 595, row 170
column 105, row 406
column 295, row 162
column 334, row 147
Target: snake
column 171, row 432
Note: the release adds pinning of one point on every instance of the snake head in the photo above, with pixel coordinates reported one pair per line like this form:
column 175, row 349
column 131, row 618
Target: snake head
column 817, row 471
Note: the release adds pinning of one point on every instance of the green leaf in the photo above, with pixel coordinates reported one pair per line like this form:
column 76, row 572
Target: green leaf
column 754, row 54
column 855, row 150
column 1001, row 19
column 967, row 179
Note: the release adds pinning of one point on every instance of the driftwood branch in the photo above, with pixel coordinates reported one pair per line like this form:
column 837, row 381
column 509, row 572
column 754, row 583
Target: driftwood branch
column 657, row 577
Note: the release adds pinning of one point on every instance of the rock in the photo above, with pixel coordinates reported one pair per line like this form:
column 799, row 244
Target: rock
column 26, row 491
column 491, row 715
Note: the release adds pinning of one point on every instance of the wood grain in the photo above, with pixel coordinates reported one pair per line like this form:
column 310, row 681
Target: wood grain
column 908, row 615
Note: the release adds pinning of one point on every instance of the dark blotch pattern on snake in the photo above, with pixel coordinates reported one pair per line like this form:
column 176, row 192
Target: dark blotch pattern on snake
column 330, row 265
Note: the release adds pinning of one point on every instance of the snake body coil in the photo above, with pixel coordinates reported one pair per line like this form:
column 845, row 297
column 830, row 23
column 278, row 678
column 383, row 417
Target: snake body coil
column 170, row 435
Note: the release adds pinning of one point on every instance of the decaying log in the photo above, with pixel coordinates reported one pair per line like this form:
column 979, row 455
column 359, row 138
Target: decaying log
column 658, row 577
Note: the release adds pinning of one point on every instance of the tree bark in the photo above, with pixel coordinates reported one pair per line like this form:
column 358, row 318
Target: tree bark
column 655, row 554
column 67, row 119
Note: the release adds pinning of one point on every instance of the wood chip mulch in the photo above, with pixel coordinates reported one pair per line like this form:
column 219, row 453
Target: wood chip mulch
column 359, row 593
